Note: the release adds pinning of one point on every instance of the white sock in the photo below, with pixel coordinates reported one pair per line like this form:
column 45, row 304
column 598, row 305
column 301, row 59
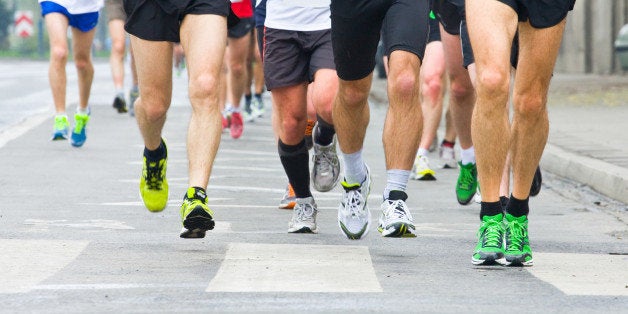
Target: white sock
column 355, row 169
column 396, row 179
column 120, row 92
column 82, row 110
column 422, row 152
column 467, row 156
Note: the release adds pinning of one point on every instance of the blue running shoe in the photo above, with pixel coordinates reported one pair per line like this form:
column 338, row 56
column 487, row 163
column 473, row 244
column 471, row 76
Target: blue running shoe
column 61, row 128
column 78, row 134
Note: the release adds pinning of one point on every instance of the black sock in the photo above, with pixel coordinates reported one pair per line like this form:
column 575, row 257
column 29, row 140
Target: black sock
column 325, row 134
column 258, row 96
column 517, row 207
column 490, row 209
column 157, row 154
column 295, row 161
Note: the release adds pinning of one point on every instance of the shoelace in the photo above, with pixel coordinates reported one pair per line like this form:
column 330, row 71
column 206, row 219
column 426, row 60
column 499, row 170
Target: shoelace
column 354, row 202
column 397, row 209
column 80, row 124
column 492, row 234
column 466, row 179
column 154, row 176
column 515, row 239
column 324, row 161
column 305, row 212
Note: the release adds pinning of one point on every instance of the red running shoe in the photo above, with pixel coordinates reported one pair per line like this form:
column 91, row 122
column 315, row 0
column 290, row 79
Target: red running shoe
column 237, row 125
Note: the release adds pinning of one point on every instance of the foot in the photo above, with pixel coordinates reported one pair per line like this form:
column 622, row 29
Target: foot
column 421, row 169
column 303, row 216
column 326, row 166
column 237, row 125
column 395, row 219
column 447, row 157
column 535, row 189
column 490, row 247
column 467, row 183
column 79, row 135
column 196, row 216
column 153, row 183
column 120, row 104
column 289, row 199
column 61, row 128
column 354, row 217
column 518, row 252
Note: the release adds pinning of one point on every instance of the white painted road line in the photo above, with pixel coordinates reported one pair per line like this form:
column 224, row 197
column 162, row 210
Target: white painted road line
column 257, row 267
column 583, row 274
column 80, row 224
column 26, row 263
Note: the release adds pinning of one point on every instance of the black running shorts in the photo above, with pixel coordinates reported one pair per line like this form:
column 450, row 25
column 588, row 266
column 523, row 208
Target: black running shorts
column 161, row 20
column 450, row 13
column 293, row 57
column 434, row 31
column 244, row 26
column 356, row 26
column 541, row 13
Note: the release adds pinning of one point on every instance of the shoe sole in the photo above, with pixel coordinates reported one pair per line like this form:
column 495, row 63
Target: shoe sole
column 518, row 260
column 59, row 138
column 303, row 230
column 397, row 230
column 425, row 177
column 466, row 202
column 119, row 106
column 355, row 236
column 288, row 206
column 196, row 223
column 489, row 259
column 537, row 181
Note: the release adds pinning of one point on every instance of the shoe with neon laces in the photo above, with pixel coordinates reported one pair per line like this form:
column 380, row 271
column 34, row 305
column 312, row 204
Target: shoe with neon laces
column 237, row 125
column 354, row 217
column 196, row 216
column 120, row 104
column 395, row 219
column 490, row 247
column 309, row 142
column 289, row 199
column 518, row 252
column 421, row 169
column 467, row 183
column 134, row 94
column 61, row 128
column 326, row 166
column 79, row 134
column 303, row 216
column 153, row 183
column 447, row 156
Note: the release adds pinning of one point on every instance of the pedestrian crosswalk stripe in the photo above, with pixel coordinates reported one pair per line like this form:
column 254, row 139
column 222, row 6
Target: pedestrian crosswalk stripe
column 583, row 274
column 257, row 267
column 26, row 263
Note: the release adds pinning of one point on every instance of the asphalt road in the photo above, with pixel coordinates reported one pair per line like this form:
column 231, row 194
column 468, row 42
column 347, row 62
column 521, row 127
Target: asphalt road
column 75, row 237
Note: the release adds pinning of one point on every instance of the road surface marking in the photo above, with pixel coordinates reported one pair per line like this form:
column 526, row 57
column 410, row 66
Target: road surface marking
column 26, row 263
column 80, row 224
column 583, row 274
column 257, row 267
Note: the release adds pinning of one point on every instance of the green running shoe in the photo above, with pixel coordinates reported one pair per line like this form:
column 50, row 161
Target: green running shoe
column 490, row 247
column 467, row 183
column 153, row 184
column 79, row 136
column 518, row 252
column 195, row 215
column 61, row 128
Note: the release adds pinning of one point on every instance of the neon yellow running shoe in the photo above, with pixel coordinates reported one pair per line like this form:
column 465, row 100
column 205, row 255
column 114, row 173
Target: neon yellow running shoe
column 196, row 217
column 153, row 183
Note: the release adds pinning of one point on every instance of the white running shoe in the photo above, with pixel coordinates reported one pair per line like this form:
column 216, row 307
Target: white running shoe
column 421, row 169
column 354, row 217
column 395, row 219
column 303, row 216
column 326, row 169
column 448, row 157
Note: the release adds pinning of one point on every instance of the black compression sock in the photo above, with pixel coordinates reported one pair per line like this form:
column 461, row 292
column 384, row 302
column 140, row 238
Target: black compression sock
column 295, row 161
column 517, row 207
column 325, row 132
column 490, row 209
column 157, row 154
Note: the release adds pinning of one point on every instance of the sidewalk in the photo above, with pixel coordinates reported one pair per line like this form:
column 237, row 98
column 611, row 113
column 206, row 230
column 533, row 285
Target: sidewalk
column 588, row 141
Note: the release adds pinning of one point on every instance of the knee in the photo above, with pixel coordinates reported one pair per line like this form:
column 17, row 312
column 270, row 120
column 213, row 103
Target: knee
column 83, row 63
column 352, row 95
column 154, row 104
column 237, row 69
column 432, row 87
column 460, row 89
column 203, row 86
column 117, row 48
column 403, row 83
column 59, row 55
column 529, row 105
column 493, row 83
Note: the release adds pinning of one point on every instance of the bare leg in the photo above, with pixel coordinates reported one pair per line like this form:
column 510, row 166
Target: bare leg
column 238, row 52
column 432, row 74
column 116, row 59
column 57, row 26
column 351, row 113
column 82, row 47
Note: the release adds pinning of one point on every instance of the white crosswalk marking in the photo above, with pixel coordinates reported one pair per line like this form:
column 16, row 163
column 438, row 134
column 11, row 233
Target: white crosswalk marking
column 255, row 267
column 25, row 263
column 583, row 274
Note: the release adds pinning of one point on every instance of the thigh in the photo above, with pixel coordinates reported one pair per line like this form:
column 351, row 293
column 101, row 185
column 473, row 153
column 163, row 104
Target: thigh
column 322, row 54
column 406, row 26
column 355, row 29
column 82, row 43
column 153, row 62
column 57, row 25
column 285, row 64
column 205, row 50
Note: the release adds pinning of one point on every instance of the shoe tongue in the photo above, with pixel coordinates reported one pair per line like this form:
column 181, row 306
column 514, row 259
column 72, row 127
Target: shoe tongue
column 197, row 193
column 397, row 195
